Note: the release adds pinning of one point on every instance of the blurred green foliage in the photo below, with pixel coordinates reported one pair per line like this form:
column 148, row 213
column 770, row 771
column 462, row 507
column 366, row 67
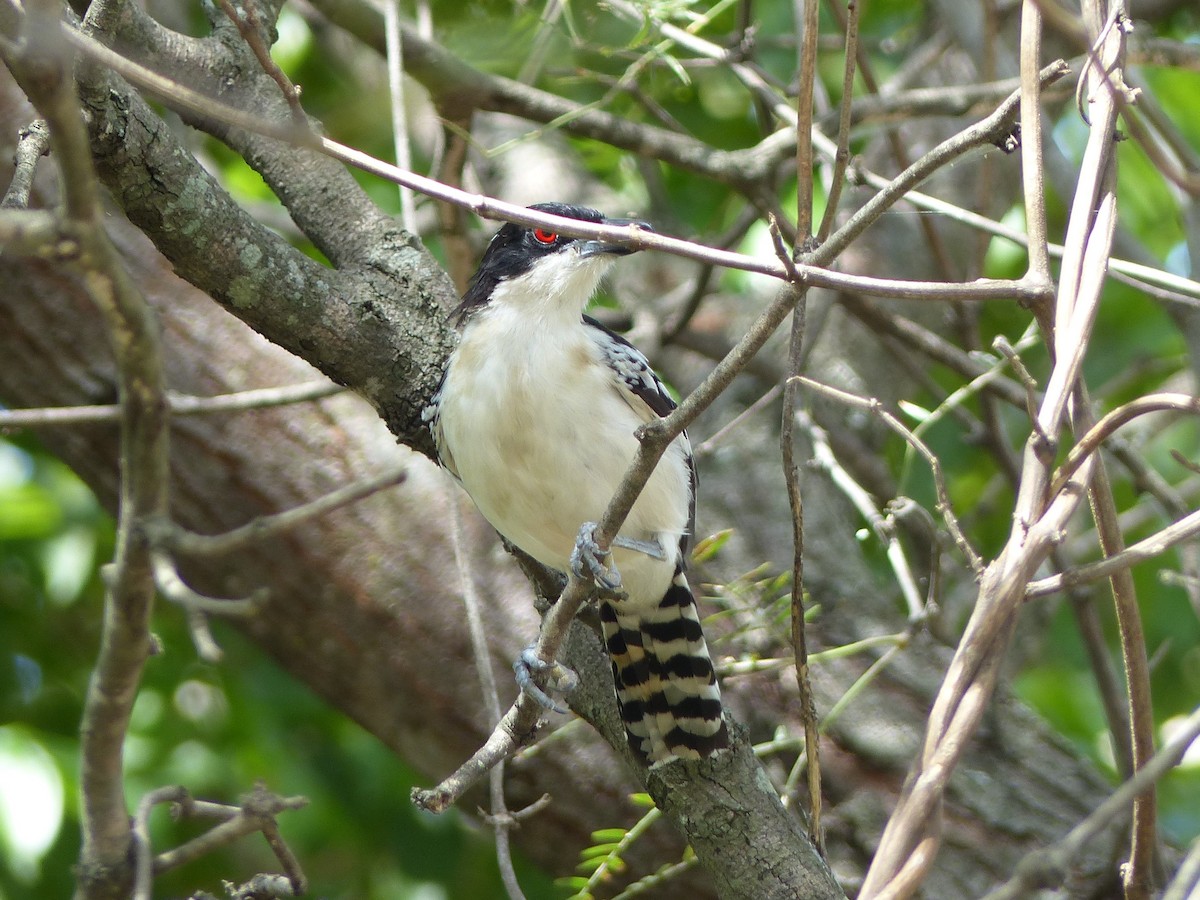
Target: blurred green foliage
column 215, row 729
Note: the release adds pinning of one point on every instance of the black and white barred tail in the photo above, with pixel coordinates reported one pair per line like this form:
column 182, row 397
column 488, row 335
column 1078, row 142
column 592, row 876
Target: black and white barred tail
column 666, row 686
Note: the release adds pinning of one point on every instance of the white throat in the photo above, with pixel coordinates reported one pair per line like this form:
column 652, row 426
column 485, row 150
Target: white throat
column 558, row 286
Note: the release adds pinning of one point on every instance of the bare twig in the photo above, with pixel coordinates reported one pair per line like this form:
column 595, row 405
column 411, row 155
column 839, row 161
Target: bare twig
column 400, row 131
column 197, row 605
column 1186, row 529
column 945, row 509
column 499, row 816
column 263, row 527
column 1139, row 873
column 710, row 445
column 986, row 132
column 180, row 405
column 251, row 29
column 143, row 882
column 1176, row 288
column 824, row 458
column 1032, row 167
column 1100, row 431
column 791, row 472
column 257, row 812
column 807, row 22
column 806, row 13
column 41, row 63
column 1048, row 868
column 841, row 156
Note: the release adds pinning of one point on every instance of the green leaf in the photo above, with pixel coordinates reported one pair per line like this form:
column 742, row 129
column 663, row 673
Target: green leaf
column 609, row 834
column 707, row 548
column 598, row 850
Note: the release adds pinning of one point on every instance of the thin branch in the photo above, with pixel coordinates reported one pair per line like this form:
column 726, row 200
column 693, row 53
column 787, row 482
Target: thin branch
column 498, row 817
column 932, row 345
column 791, row 473
column 179, row 404
column 1186, row 529
column 841, row 157
column 399, row 111
column 1173, row 287
column 1032, row 166
column 1108, row 685
column 943, row 262
column 807, row 22
column 824, row 458
column 787, row 443
column 190, row 543
column 1101, row 431
column 895, row 644
column 945, row 509
column 613, row 859
column 251, row 29
column 42, row 64
column 1049, row 867
column 710, row 445
column 1139, row 873
column 143, row 882
column 989, row 376
column 257, row 812
column 173, row 588
column 990, row 130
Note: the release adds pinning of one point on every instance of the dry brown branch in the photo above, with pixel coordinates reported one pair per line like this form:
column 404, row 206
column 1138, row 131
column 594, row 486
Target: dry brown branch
column 256, row 811
column 1048, row 868
column 1146, row 549
column 41, row 64
column 989, row 131
column 180, row 405
column 912, row 833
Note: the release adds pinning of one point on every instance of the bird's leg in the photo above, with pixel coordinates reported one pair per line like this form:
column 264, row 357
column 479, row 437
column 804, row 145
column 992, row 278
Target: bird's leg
column 587, row 560
column 558, row 678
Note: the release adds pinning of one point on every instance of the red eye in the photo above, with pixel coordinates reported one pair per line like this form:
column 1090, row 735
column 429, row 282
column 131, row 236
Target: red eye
column 544, row 237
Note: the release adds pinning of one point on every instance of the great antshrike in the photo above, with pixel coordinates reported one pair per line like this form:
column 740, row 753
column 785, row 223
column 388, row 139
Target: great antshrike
column 536, row 417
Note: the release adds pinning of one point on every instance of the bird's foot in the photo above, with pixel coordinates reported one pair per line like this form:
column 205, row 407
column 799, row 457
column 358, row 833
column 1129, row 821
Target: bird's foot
column 587, row 560
column 558, row 678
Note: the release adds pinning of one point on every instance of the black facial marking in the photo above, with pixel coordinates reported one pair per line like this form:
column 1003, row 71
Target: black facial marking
column 513, row 251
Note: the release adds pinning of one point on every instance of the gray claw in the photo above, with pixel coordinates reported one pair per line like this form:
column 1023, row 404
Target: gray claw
column 559, row 679
column 586, row 560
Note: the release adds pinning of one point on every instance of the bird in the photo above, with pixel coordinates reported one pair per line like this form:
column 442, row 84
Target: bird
column 536, row 417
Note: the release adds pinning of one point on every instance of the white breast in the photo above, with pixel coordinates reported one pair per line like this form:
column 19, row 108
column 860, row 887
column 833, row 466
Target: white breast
column 541, row 437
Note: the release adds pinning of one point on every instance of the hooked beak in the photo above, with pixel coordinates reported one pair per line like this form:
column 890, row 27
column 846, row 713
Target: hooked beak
column 596, row 248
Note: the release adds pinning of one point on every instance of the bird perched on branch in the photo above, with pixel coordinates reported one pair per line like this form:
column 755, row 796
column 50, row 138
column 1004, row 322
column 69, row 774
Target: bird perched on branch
column 536, row 417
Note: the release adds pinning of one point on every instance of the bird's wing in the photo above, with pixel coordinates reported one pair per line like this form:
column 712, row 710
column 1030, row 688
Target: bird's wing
column 431, row 416
column 645, row 393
